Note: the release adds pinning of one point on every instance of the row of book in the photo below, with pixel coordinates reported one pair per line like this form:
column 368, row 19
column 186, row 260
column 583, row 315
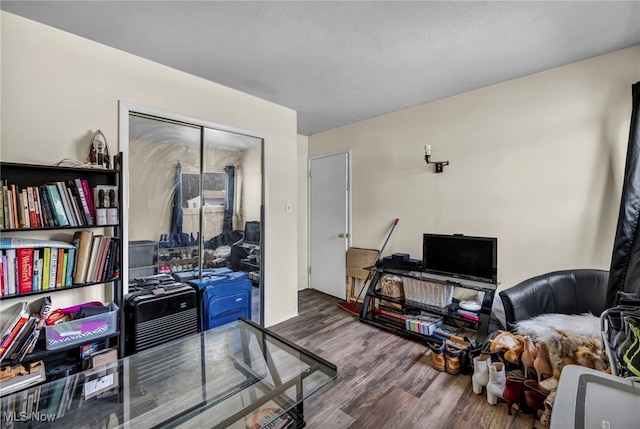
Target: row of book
column 65, row 203
column 30, row 265
column 30, row 270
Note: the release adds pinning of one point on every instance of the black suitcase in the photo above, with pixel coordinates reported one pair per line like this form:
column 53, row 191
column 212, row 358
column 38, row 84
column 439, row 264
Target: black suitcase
column 158, row 309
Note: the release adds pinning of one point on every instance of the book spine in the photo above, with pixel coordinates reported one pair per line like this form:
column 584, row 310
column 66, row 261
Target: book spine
column 32, row 208
column 53, row 268
column 5, row 274
column 74, row 207
column 14, row 204
column 8, row 221
column 87, row 194
column 83, row 201
column 11, row 263
column 62, row 190
column 25, row 269
column 46, row 260
column 60, row 267
column 22, row 220
column 49, row 217
column 3, row 290
column 57, row 206
column 65, row 260
column 71, row 263
column 35, row 284
column 38, row 207
column 2, row 217
column 7, row 207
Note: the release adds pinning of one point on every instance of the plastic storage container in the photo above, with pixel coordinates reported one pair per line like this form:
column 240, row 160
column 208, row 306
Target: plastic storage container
column 81, row 331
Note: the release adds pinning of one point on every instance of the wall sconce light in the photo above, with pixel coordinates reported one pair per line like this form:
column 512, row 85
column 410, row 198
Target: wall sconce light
column 427, row 157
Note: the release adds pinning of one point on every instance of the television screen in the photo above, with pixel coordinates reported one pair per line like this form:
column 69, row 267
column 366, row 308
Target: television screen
column 252, row 232
column 473, row 258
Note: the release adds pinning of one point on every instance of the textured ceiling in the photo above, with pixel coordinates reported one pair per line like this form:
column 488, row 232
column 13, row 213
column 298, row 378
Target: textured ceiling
column 341, row 62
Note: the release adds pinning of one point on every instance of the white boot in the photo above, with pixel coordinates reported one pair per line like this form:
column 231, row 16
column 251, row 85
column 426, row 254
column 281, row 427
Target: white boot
column 480, row 376
column 497, row 380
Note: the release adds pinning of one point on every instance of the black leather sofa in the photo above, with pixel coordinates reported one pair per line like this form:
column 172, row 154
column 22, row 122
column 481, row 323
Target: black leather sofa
column 568, row 292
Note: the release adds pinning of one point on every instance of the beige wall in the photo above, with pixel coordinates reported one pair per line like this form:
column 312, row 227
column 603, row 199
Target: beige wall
column 58, row 88
column 537, row 162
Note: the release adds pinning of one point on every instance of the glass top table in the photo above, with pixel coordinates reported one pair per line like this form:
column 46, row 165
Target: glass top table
column 236, row 376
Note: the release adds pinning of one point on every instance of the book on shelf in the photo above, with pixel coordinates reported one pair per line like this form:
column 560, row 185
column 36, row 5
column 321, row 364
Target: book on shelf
column 22, row 220
column 2, row 212
column 33, row 222
column 13, row 327
column 88, row 195
column 11, row 271
column 270, row 416
column 93, row 258
column 53, row 269
column 16, row 243
column 84, row 202
column 25, row 269
column 14, row 203
column 17, row 349
column 38, row 206
column 47, row 211
column 57, row 206
column 37, row 266
column 71, row 263
column 60, row 270
column 68, row 208
column 44, row 274
column 83, row 240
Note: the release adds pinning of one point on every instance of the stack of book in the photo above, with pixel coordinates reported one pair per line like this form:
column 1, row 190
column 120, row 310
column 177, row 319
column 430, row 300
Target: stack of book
column 56, row 204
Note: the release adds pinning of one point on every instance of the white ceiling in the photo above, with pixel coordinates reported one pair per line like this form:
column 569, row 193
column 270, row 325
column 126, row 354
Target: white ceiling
column 341, row 62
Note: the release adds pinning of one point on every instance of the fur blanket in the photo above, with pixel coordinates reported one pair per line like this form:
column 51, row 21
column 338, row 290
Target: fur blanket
column 570, row 339
column 546, row 326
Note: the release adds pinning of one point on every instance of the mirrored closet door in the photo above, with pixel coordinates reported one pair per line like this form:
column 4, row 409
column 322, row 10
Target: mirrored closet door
column 195, row 198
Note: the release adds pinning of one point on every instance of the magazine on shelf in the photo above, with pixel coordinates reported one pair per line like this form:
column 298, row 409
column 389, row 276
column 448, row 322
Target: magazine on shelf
column 267, row 417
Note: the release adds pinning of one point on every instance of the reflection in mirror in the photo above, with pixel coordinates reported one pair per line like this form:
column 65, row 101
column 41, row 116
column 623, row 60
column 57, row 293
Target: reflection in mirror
column 232, row 171
column 160, row 154
column 193, row 191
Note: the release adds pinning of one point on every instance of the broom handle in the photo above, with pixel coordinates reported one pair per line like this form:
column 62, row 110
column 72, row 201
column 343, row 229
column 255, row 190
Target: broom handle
column 395, row 222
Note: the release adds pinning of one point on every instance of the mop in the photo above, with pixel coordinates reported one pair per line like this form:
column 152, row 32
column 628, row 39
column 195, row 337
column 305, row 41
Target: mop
column 354, row 308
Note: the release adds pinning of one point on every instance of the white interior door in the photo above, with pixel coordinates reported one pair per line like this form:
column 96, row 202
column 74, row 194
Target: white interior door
column 328, row 223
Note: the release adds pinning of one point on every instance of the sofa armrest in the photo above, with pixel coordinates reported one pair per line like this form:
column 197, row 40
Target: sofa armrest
column 565, row 292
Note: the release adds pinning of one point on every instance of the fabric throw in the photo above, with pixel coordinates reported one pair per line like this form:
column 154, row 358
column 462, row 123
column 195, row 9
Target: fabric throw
column 549, row 326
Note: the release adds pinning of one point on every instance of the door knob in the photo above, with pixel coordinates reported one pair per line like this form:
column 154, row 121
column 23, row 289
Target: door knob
column 341, row 235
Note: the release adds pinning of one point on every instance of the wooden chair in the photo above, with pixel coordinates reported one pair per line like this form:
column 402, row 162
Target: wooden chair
column 358, row 260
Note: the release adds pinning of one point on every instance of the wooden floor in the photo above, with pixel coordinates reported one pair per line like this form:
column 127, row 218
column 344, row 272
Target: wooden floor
column 385, row 380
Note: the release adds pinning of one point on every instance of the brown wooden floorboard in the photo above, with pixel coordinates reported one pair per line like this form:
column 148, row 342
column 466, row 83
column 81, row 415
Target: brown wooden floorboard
column 385, row 380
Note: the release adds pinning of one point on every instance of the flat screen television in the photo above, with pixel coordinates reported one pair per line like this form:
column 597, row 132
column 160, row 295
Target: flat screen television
column 461, row 256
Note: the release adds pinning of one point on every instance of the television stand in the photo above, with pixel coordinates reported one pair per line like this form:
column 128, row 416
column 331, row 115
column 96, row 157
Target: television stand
column 391, row 312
